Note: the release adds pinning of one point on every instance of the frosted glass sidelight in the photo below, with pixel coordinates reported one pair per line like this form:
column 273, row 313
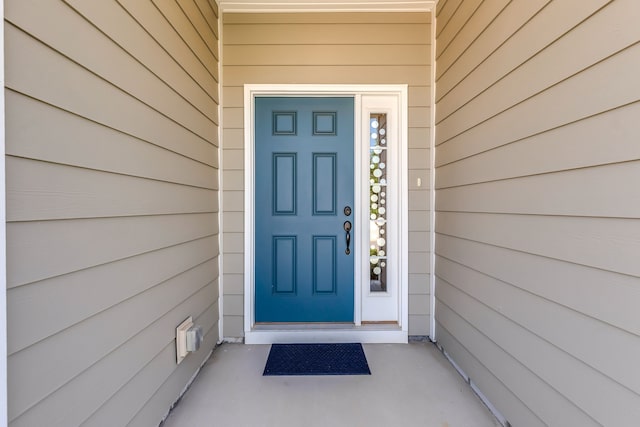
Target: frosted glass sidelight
column 377, row 200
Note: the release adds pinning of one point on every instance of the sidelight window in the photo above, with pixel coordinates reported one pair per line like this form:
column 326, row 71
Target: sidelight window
column 378, row 202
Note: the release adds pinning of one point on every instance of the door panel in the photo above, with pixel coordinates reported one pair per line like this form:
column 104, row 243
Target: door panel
column 304, row 178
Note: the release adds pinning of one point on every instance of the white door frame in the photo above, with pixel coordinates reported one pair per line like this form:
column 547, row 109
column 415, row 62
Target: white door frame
column 378, row 333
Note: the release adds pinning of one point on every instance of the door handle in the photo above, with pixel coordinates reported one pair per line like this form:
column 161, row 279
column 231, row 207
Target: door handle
column 347, row 228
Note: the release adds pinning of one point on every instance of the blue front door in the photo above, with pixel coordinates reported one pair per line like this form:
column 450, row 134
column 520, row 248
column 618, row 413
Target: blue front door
column 303, row 201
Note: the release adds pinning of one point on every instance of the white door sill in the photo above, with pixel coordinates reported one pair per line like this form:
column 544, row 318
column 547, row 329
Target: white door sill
column 325, row 333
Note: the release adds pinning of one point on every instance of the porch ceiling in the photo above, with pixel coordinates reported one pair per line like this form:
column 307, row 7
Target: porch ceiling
column 327, row 5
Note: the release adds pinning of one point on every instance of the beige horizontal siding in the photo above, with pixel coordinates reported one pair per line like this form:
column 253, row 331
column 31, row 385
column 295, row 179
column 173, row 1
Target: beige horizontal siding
column 612, row 193
column 204, row 48
column 328, row 33
column 552, row 279
column 559, row 327
column 538, row 212
column 463, row 12
column 509, row 90
column 486, row 12
column 444, row 12
column 112, row 205
column 165, row 394
column 523, row 354
column 122, row 406
column 486, row 38
column 576, row 145
column 40, row 72
column 568, row 102
column 73, row 140
column 370, row 19
column 44, row 191
column 60, row 247
column 160, row 28
column 325, row 48
column 41, row 310
column 607, row 243
column 114, row 65
column 43, row 376
column 345, row 55
column 415, row 75
column 513, row 408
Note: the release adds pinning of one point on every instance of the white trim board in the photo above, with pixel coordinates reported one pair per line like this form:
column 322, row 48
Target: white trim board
column 220, row 183
column 294, row 6
column 303, row 336
column 358, row 332
column 432, row 186
column 3, row 241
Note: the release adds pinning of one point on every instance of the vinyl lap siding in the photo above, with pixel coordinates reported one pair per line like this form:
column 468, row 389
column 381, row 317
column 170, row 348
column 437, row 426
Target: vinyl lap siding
column 538, row 205
column 112, row 212
column 326, row 48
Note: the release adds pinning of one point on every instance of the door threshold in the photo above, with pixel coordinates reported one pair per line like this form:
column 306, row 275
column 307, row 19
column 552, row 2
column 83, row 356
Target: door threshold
column 288, row 333
column 268, row 326
column 276, row 326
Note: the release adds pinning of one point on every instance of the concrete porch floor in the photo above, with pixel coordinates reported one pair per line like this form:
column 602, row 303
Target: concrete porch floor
column 410, row 385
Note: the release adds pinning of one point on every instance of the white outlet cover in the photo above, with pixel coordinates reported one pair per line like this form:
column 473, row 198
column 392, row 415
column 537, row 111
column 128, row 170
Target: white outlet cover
column 181, row 339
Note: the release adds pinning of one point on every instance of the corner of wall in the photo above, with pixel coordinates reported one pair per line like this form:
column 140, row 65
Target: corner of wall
column 3, row 240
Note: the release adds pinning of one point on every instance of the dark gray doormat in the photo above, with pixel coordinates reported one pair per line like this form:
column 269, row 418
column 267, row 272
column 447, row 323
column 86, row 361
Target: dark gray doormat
column 316, row 359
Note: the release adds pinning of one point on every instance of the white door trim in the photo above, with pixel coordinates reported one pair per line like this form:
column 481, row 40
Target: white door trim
column 314, row 333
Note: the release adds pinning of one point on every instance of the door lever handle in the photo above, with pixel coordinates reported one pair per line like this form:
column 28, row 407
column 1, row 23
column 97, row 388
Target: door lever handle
column 347, row 228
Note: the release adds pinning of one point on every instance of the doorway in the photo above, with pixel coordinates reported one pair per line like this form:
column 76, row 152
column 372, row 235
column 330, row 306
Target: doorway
column 325, row 173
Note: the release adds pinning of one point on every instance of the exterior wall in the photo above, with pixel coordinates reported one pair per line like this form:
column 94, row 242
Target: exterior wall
column 538, row 205
column 325, row 48
column 111, row 205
